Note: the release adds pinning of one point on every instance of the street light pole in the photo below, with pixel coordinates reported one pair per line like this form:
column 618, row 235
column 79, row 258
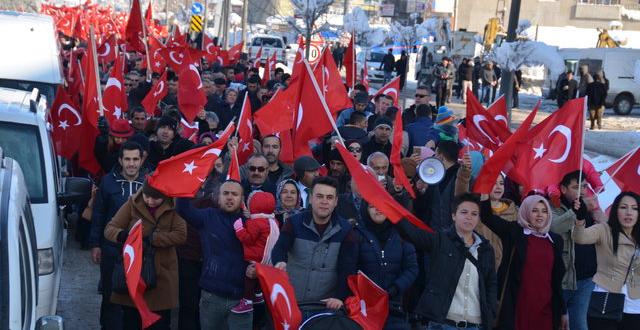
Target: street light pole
column 507, row 75
column 245, row 21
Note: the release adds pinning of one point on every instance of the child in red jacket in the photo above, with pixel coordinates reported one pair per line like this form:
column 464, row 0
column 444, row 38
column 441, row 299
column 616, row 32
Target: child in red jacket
column 258, row 236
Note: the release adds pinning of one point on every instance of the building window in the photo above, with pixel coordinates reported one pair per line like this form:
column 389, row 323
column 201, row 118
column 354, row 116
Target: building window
column 600, row 2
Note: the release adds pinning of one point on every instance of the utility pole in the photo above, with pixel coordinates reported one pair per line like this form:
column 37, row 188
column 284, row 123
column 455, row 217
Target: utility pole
column 507, row 76
column 346, row 7
column 245, row 23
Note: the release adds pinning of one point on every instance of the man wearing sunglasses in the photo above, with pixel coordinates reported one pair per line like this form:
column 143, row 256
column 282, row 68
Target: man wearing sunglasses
column 256, row 176
column 422, row 96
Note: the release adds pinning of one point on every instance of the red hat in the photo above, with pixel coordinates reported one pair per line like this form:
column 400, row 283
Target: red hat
column 121, row 128
column 261, row 202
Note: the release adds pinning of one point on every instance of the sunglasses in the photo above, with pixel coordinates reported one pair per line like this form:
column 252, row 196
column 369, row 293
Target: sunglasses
column 257, row 169
column 421, row 95
column 355, row 149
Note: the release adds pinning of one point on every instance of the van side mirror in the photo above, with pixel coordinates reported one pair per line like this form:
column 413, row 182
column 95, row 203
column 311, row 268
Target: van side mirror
column 76, row 191
column 50, row 322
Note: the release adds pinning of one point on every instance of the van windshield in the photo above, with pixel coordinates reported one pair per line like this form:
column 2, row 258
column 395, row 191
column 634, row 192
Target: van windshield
column 267, row 42
column 48, row 90
column 13, row 139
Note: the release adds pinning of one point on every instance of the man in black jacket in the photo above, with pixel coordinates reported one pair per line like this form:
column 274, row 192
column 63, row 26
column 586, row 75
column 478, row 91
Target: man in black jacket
column 567, row 89
column 387, row 65
column 169, row 142
column 596, row 94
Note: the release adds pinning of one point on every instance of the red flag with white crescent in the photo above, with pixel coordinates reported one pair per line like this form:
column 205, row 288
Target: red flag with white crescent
column 234, row 169
column 114, row 96
column 66, row 124
column 280, row 297
column 245, row 131
column 369, row 305
column 107, row 51
column 481, row 125
column 625, row 172
column 157, row 92
column 328, row 77
column 391, row 89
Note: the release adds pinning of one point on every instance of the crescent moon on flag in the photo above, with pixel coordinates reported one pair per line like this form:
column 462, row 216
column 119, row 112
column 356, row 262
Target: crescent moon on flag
column 207, row 48
column 72, row 110
column 113, row 82
column 392, row 90
column 220, row 60
column 194, row 69
column 476, row 121
column 363, row 307
column 501, row 118
column 564, row 130
column 174, row 59
column 300, row 114
column 159, row 89
column 128, row 250
column 638, row 170
column 212, row 151
column 107, row 48
column 278, row 290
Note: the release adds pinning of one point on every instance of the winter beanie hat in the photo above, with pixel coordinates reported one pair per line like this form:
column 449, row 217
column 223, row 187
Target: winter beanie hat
column 261, row 204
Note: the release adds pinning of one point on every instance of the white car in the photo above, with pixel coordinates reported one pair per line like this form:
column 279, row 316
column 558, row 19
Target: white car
column 269, row 45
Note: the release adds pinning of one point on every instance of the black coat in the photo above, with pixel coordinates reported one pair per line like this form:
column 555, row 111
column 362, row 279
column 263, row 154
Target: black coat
column 597, row 93
column 447, row 255
column 388, row 62
column 569, row 93
column 514, row 239
column 158, row 154
column 347, row 209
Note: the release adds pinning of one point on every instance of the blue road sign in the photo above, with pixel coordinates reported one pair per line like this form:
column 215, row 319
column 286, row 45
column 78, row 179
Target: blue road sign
column 197, row 8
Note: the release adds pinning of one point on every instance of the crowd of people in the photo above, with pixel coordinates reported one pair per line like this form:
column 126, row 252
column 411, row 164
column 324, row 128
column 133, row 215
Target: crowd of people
column 512, row 259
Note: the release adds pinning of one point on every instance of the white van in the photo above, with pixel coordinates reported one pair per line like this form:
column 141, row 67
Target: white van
column 269, row 44
column 18, row 254
column 24, row 137
column 30, row 56
column 618, row 65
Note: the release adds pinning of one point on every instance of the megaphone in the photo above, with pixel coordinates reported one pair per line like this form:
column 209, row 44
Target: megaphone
column 431, row 170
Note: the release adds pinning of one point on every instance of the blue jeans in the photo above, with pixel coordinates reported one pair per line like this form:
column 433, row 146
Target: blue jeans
column 578, row 303
column 486, row 94
column 215, row 313
column 441, row 326
column 387, row 77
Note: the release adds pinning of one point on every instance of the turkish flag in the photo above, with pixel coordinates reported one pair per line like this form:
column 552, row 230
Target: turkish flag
column 552, row 149
column 90, row 113
column 266, row 73
column 133, row 32
column 391, row 89
column 482, row 127
column 191, row 96
column 277, row 115
column 66, row 124
column 371, row 190
column 328, row 77
column 176, row 57
column 80, row 29
column 188, row 130
column 398, row 171
column 256, row 60
column 625, row 172
column 469, row 144
column 178, row 39
column 233, row 55
column 132, row 260
column 279, row 296
column 148, row 15
column 157, row 92
column 107, row 51
column 498, row 110
column 286, row 146
column 369, row 305
column 297, row 62
column 349, row 61
column 234, row 169
column 211, row 52
column 245, row 131
column 491, row 169
column 183, row 174
column 365, row 76
column 114, row 97
column 158, row 63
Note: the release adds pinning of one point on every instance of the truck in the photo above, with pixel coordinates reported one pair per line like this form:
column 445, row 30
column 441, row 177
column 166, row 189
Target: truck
column 619, row 66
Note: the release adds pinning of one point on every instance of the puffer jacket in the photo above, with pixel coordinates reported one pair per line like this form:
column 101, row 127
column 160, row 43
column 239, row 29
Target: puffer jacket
column 113, row 192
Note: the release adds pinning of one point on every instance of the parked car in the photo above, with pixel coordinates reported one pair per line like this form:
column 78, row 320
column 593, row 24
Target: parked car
column 19, row 280
column 269, row 44
column 24, row 137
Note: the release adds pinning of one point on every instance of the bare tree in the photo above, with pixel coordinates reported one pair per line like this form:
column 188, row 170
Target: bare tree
column 308, row 11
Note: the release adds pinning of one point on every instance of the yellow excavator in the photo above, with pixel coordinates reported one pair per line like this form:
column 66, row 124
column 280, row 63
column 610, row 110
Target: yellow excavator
column 605, row 40
column 491, row 31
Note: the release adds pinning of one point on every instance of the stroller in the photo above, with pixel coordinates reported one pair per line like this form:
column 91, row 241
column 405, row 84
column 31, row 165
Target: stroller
column 334, row 320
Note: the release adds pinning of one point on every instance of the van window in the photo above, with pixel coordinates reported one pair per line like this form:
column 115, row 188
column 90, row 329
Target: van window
column 13, row 139
column 48, row 90
column 267, row 42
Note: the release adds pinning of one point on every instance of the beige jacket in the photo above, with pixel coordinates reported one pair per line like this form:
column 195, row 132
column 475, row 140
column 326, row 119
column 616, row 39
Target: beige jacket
column 611, row 267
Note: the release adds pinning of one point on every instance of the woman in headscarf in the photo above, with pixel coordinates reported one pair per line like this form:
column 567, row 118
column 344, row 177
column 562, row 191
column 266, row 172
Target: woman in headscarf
column 288, row 200
column 531, row 271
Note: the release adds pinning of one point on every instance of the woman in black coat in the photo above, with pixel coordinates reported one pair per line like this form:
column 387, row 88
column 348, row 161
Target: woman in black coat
column 387, row 260
column 531, row 271
column 461, row 286
column 401, row 68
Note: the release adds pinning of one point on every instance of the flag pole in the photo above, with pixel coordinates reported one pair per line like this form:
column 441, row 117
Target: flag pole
column 626, row 157
column 95, row 66
column 146, row 44
column 246, row 96
column 322, row 100
column 354, row 65
column 584, row 111
column 80, row 69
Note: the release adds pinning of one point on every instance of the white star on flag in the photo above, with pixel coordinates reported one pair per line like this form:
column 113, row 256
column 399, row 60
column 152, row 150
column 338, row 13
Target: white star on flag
column 63, row 124
column 539, row 151
column 189, row 167
column 117, row 112
column 157, row 64
column 285, row 325
column 245, row 146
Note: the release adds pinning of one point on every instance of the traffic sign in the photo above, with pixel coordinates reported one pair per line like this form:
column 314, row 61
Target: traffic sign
column 197, row 8
column 196, row 23
column 314, row 53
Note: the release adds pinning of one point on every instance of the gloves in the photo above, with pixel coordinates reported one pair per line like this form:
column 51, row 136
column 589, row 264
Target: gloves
column 237, row 225
column 122, row 236
column 103, row 125
column 581, row 213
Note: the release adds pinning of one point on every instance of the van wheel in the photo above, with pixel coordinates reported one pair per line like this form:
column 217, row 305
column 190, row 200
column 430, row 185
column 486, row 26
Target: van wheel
column 623, row 104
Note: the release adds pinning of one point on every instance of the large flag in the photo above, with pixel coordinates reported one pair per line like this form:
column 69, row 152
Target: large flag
column 491, row 169
column 371, row 190
column 183, row 174
column 157, row 92
column 392, row 89
column 297, row 62
column 396, row 158
column 482, row 127
column 280, row 297
column 234, row 53
column 176, row 57
column 498, row 109
column 277, row 115
column 369, row 305
column 328, row 77
column 256, row 60
column 132, row 262
column 245, row 131
column 90, row 112
column 66, row 124
column 625, row 172
column 350, row 62
column 191, row 96
column 107, row 51
column 158, row 63
column 552, row 149
column 114, row 96
column 134, row 27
